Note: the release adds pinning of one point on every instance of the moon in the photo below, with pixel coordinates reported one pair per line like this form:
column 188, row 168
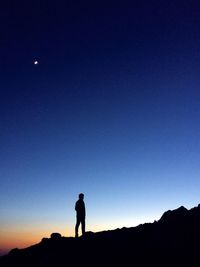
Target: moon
column 35, row 62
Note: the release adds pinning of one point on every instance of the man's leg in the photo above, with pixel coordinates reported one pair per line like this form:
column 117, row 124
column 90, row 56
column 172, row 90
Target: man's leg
column 77, row 226
column 83, row 226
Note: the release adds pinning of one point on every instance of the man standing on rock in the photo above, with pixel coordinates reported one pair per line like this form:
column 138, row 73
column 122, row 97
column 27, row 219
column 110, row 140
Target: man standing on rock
column 80, row 214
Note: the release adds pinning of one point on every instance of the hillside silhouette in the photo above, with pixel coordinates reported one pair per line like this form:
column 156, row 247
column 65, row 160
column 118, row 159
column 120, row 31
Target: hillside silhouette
column 173, row 240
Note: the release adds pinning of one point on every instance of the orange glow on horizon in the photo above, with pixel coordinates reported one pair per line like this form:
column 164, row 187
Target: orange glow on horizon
column 22, row 238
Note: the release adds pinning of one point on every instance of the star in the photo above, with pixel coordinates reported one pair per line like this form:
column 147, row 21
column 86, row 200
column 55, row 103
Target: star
column 35, row 62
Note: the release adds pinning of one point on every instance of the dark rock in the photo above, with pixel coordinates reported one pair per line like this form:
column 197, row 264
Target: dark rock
column 177, row 214
column 44, row 240
column 55, row 236
column 14, row 251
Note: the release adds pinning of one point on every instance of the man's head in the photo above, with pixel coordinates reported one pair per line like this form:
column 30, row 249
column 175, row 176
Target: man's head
column 81, row 196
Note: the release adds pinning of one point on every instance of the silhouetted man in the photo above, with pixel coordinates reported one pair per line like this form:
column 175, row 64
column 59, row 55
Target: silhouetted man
column 80, row 214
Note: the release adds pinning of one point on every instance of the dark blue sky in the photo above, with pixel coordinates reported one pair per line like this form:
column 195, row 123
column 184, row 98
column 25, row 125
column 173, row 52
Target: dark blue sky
column 112, row 110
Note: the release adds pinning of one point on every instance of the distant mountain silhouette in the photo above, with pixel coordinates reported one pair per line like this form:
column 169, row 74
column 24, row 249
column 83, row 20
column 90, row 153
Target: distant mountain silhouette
column 174, row 240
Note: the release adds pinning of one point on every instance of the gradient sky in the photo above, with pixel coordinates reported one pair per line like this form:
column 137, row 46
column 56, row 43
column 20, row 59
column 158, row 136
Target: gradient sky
column 111, row 110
